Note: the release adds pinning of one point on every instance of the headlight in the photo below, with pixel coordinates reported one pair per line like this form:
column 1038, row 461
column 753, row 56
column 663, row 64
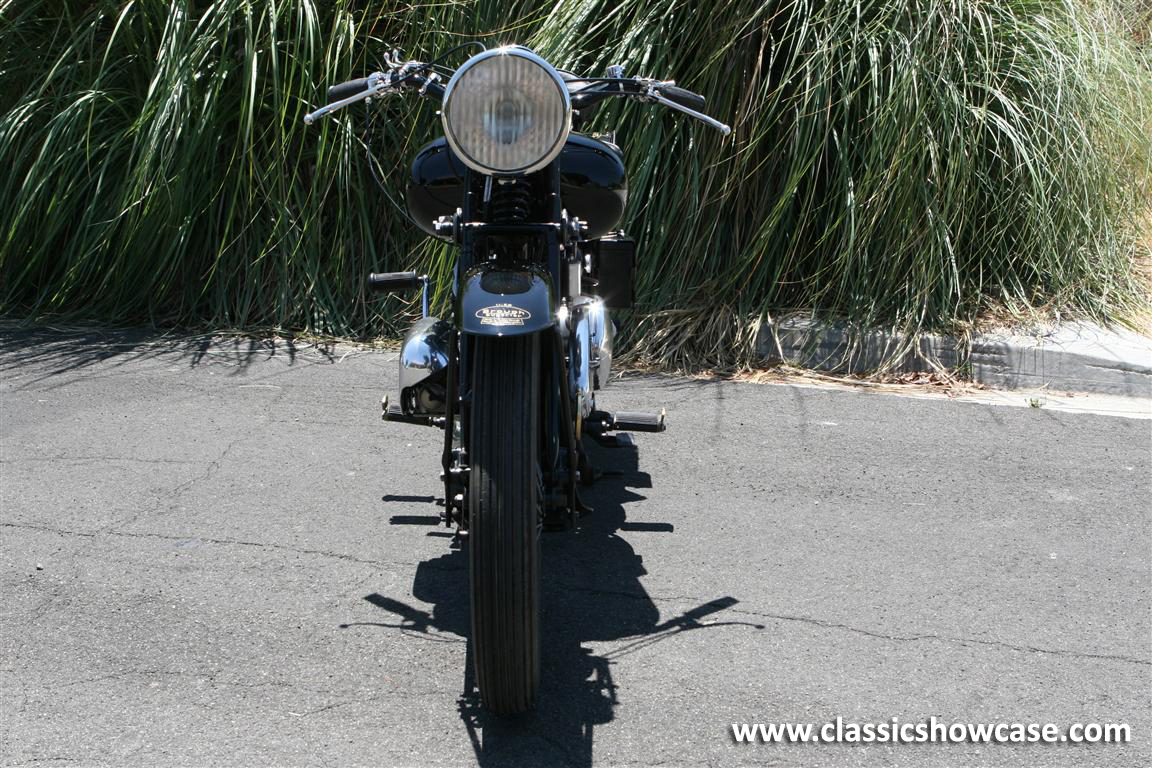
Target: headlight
column 506, row 111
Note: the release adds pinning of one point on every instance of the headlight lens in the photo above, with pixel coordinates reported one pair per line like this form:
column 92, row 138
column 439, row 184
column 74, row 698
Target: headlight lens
column 506, row 111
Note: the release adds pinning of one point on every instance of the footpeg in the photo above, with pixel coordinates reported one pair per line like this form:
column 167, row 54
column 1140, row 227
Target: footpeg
column 602, row 422
column 639, row 422
column 396, row 413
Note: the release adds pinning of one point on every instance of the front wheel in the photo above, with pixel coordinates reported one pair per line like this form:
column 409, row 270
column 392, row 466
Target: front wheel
column 503, row 521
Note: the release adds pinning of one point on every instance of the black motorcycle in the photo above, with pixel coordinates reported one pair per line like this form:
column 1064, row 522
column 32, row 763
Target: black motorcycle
column 511, row 376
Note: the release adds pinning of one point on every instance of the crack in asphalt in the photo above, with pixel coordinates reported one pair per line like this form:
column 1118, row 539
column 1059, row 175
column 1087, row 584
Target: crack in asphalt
column 95, row 460
column 204, row 540
column 859, row 630
column 944, row 639
column 210, row 676
column 112, row 676
column 334, row 705
column 962, row 641
column 213, row 466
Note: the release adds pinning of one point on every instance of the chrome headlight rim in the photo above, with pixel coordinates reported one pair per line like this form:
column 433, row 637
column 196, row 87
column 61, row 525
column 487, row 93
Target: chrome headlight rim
column 561, row 89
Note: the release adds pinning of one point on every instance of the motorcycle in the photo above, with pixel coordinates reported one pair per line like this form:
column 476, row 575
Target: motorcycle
column 533, row 207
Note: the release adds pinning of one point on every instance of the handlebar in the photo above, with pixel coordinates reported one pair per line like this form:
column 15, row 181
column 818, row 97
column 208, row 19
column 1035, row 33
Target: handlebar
column 680, row 99
column 373, row 85
column 349, row 88
column 377, row 84
column 411, row 75
column 661, row 92
column 684, row 97
column 394, row 281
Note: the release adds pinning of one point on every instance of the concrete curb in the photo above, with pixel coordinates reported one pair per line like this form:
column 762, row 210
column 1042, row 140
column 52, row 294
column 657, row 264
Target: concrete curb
column 1077, row 357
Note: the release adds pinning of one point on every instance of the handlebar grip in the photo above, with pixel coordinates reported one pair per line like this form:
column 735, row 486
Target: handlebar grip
column 346, row 89
column 684, row 97
column 394, row 281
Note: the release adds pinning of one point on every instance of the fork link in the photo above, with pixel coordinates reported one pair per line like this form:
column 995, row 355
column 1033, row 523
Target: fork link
column 451, row 459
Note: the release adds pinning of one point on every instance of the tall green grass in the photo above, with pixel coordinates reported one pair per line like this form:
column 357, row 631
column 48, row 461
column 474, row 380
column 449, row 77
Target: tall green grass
column 909, row 163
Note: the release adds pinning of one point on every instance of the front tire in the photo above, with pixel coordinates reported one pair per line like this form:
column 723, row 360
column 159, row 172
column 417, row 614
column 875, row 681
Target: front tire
column 503, row 521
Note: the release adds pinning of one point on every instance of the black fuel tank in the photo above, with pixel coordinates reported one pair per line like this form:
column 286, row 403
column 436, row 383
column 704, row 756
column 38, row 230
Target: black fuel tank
column 593, row 184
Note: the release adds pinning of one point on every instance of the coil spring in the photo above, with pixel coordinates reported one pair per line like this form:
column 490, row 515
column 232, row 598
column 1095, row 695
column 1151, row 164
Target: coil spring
column 511, row 202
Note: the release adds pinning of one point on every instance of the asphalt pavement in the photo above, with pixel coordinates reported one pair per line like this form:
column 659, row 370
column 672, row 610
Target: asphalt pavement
column 213, row 552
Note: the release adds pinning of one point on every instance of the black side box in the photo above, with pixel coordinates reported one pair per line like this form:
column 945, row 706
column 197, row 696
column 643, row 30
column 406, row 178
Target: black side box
column 613, row 261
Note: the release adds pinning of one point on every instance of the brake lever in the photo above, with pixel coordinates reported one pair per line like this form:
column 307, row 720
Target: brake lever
column 378, row 83
column 652, row 93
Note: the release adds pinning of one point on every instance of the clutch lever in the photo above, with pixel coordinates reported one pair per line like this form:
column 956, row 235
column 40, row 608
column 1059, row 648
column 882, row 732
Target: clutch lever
column 378, row 83
column 652, row 93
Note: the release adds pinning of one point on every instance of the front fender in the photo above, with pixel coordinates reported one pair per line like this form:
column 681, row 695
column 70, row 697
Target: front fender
column 495, row 301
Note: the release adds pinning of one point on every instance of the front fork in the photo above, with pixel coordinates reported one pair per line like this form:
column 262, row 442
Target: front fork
column 561, row 456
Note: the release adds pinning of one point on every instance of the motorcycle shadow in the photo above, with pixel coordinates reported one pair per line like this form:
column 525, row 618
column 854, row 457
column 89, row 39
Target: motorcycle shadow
column 591, row 593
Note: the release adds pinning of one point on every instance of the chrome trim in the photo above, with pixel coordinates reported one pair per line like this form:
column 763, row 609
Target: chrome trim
column 602, row 334
column 582, row 363
column 508, row 50
column 424, row 352
column 592, row 352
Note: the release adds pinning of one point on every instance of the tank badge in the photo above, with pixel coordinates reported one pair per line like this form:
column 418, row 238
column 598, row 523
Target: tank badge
column 503, row 314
